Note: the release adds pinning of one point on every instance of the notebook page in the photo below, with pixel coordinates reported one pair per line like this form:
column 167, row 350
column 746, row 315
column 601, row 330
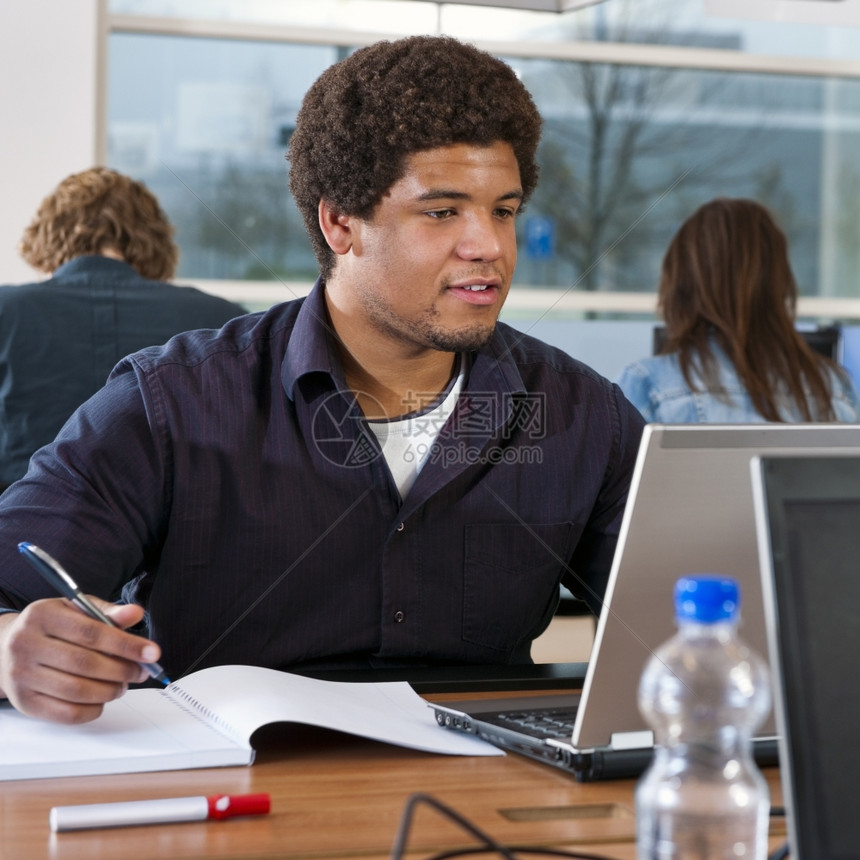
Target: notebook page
column 144, row 730
column 245, row 698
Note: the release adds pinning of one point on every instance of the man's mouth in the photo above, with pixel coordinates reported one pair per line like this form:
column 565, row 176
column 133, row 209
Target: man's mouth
column 477, row 294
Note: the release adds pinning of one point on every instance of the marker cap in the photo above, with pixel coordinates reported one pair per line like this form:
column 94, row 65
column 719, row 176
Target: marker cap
column 228, row 806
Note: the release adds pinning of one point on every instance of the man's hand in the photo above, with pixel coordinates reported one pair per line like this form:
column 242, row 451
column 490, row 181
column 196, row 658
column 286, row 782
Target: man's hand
column 58, row 664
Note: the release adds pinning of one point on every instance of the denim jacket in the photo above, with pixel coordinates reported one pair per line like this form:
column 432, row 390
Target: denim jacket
column 657, row 388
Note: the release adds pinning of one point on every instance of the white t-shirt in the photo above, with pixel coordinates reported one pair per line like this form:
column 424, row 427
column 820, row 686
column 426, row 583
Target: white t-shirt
column 406, row 442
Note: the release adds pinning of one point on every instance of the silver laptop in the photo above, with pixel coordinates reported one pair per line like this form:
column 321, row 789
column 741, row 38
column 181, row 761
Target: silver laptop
column 808, row 515
column 690, row 510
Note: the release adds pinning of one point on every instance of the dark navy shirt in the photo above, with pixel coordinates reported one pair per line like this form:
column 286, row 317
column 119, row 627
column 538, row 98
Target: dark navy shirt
column 60, row 338
column 228, row 482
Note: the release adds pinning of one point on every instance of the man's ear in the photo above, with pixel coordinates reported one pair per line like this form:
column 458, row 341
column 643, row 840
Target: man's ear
column 336, row 228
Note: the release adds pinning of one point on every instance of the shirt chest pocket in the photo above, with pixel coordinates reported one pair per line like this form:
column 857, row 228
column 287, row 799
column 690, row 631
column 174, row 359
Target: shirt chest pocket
column 510, row 579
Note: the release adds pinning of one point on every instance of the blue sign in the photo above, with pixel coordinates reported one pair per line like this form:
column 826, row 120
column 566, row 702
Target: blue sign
column 540, row 237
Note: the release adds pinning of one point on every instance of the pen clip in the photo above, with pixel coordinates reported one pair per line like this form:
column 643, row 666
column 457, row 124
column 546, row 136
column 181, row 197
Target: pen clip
column 50, row 568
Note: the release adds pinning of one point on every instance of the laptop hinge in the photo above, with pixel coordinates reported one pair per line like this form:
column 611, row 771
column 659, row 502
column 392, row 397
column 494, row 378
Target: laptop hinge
column 631, row 740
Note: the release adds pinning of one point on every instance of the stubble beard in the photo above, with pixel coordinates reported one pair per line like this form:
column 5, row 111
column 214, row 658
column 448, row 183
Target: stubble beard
column 465, row 340
column 427, row 331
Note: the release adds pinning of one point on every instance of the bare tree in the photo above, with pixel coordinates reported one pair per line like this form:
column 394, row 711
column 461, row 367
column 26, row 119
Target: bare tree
column 626, row 154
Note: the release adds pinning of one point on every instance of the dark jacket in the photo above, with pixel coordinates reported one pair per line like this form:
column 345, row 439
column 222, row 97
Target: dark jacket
column 60, row 338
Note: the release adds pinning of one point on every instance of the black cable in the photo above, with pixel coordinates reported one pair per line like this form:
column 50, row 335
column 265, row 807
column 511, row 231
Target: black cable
column 406, row 823
column 488, row 843
column 518, row 850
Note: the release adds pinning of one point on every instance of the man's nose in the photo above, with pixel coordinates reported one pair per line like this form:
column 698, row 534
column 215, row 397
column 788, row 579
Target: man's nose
column 484, row 238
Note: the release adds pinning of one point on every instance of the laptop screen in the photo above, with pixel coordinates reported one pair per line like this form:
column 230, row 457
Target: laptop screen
column 690, row 510
column 808, row 513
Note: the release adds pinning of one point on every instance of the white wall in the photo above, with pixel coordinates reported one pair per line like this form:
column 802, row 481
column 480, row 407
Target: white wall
column 48, row 103
column 606, row 345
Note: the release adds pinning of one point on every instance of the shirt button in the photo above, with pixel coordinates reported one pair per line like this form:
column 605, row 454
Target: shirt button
column 399, row 616
column 401, row 526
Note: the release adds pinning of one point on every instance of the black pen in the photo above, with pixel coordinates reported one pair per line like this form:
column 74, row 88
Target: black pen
column 54, row 573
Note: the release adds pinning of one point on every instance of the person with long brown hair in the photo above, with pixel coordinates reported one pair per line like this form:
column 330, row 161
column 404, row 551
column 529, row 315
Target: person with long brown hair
column 732, row 352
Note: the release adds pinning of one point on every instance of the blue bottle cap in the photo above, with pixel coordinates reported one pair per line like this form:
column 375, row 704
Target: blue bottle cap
column 706, row 599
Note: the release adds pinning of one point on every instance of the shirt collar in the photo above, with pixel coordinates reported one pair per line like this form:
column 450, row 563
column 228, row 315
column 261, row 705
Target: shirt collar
column 89, row 263
column 312, row 347
column 494, row 367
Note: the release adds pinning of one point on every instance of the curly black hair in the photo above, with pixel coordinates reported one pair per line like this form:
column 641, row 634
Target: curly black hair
column 366, row 114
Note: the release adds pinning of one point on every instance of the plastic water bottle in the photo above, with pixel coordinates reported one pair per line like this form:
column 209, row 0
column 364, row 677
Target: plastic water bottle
column 704, row 693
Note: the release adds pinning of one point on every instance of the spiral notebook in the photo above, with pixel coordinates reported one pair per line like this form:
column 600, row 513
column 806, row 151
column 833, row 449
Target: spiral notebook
column 208, row 718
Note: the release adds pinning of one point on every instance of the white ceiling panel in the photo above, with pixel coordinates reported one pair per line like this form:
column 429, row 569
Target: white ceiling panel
column 827, row 13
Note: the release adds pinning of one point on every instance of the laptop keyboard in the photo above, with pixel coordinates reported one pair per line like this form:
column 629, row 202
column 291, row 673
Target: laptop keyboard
column 548, row 723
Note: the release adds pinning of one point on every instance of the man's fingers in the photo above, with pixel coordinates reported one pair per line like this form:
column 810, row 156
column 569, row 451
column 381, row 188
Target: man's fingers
column 122, row 614
column 64, row 697
column 115, row 641
column 58, row 650
column 58, row 663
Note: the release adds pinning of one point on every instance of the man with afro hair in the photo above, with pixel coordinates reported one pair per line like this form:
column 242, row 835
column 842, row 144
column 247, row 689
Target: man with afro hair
column 378, row 475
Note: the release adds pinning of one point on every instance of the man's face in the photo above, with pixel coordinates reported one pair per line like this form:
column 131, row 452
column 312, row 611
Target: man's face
column 433, row 266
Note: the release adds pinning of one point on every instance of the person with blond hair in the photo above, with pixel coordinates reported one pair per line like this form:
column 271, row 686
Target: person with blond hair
column 108, row 248
column 732, row 352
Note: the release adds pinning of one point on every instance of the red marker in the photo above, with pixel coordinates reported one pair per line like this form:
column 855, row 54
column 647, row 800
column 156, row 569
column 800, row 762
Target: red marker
column 166, row 811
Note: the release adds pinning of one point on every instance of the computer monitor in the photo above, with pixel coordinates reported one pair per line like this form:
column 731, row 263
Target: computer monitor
column 825, row 340
column 807, row 512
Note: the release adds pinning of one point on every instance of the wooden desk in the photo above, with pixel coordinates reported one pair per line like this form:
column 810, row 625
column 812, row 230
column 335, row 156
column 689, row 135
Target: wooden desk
column 334, row 796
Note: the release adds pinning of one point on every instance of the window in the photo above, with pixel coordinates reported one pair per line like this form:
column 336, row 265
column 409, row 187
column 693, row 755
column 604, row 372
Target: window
column 205, row 123
column 651, row 108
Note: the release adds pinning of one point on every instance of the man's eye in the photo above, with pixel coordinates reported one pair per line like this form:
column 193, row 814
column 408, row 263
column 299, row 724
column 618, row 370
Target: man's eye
column 440, row 213
column 505, row 213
